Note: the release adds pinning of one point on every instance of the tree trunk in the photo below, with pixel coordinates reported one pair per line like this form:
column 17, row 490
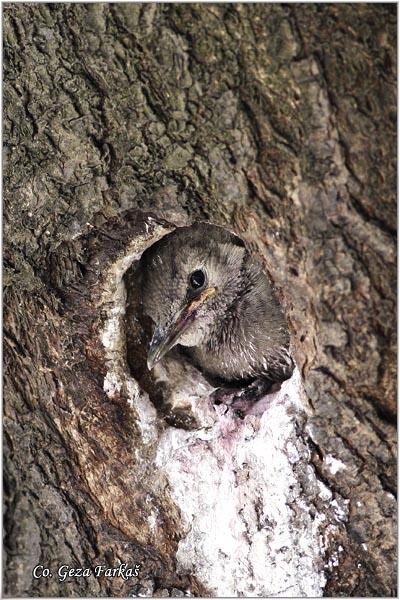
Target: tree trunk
column 122, row 121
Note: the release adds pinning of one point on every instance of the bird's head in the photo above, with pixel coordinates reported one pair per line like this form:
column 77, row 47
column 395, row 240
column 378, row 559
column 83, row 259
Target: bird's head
column 190, row 278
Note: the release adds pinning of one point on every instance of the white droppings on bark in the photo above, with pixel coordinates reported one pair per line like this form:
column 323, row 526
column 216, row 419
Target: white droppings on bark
column 249, row 529
column 117, row 379
column 324, row 492
column 341, row 511
column 333, row 464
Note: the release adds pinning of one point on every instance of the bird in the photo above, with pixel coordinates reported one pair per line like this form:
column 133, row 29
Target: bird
column 203, row 290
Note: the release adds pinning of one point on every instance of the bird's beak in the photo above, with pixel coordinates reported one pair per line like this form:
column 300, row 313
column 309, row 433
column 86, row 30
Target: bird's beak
column 165, row 338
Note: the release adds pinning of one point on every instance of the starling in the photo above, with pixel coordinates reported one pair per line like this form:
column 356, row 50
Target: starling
column 203, row 290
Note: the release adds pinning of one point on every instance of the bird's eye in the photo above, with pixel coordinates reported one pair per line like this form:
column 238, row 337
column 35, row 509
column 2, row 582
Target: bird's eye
column 197, row 279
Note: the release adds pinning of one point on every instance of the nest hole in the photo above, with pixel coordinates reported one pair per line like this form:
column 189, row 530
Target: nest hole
column 138, row 332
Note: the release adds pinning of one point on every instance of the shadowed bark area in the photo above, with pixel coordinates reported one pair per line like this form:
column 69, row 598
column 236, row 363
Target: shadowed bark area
column 277, row 121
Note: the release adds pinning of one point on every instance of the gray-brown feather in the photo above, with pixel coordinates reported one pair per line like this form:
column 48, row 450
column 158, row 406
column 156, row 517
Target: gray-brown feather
column 241, row 332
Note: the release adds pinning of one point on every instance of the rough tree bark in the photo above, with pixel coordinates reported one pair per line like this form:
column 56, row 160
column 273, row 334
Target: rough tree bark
column 278, row 121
